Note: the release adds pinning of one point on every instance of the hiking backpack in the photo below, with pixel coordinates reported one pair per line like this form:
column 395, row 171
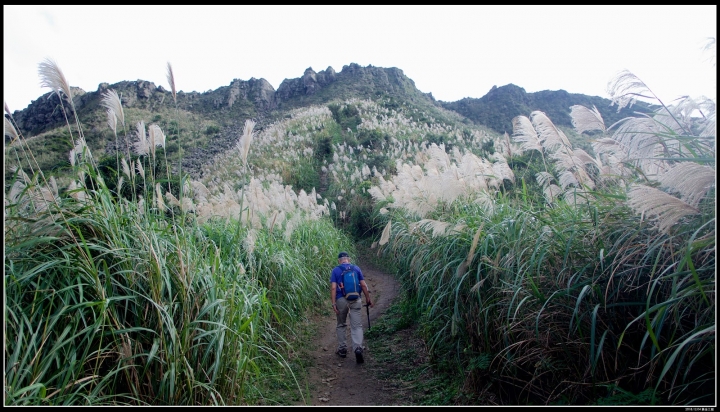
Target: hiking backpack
column 350, row 284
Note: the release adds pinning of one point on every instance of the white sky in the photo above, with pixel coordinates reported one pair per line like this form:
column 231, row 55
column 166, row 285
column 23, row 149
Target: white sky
column 451, row 51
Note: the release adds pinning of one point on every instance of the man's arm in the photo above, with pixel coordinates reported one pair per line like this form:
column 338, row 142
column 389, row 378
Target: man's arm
column 333, row 291
column 364, row 287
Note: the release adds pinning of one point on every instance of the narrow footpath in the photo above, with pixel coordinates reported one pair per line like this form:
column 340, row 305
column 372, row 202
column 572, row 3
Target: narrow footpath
column 337, row 381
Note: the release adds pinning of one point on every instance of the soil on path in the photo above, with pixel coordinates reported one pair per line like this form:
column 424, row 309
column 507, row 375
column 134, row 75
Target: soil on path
column 342, row 381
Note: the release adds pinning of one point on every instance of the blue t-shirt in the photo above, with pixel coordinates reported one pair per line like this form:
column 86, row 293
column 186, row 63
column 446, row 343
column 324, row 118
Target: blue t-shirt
column 336, row 276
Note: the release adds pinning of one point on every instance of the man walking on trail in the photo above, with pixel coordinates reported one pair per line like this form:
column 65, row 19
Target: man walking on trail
column 342, row 306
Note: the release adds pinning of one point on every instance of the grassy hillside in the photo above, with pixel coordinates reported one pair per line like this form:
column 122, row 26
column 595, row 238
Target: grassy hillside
column 537, row 272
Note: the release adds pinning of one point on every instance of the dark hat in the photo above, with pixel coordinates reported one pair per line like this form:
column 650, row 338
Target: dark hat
column 343, row 254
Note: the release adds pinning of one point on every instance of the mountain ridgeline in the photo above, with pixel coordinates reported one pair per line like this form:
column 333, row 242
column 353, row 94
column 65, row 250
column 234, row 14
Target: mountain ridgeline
column 254, row 98
column 213, row 119
column 498, row 107
column 258, row 99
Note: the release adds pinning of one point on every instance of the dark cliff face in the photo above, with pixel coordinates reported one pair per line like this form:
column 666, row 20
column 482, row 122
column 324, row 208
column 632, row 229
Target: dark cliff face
column 308, row 84
column 47, row 112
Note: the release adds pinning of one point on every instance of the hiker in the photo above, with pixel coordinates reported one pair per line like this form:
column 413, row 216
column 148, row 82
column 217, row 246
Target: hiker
column 343, row 305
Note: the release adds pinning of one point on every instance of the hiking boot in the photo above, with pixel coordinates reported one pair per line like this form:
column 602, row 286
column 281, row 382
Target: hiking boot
column 359, row 355
column 342, row 352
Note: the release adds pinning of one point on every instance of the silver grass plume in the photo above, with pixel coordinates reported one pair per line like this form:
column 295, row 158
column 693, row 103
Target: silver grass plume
column 525, row 134
column 53, row 186
column 684, row 107
column 77, row 191
column 544, row 178
column 200, row 191
column 582, row 157
column 140, row 169
column 677, row 117
column 551, row 192
column 16, row 191
column 271, row 225
column 550, row 136
column 705, row 105
column 501, row 168
column 126, row 168
column 171, row 81
column 584, row 119
column 691, row 180
column 141, row 147
column 707, row 109
column 567, row 162
column 568, row 178
column 507, row 147
column 156, row 137
column 249, row 241
column 476, row 238
column 438, row 227
column 7, row 109
column 641, row 139
column 606, row 147
column 159, row 202
column 171, row 199
column 112, row 120
column 624, row 88
column 39, row 197
column 187, row 205
column 243, row 144
column 710, row 129
column 81, row 149
column 665, row 209
column 471, row 253
column 72, row 156
column 52, row 77
column 111, row 101
column 11, row 131
column 385, row 237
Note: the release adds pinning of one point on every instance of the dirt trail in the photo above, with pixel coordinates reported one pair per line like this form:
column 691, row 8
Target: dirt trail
column 337, row 381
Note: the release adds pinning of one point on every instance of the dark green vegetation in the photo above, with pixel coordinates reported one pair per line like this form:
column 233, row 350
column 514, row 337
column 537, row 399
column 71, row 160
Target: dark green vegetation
column 501, row 104
column 545, row 266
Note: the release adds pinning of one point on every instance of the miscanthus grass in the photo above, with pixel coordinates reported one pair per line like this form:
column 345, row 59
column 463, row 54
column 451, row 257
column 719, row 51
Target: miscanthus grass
column 120, row 291
column 592, row 285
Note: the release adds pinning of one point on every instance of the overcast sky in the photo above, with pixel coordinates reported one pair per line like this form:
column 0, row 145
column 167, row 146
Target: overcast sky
column 452, row 52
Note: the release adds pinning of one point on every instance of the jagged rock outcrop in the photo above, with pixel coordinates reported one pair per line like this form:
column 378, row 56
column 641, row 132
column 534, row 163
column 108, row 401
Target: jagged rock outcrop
column 47, row 111
column 353, row 81
column 258, row 91
column 326, row 76
column 308, row 84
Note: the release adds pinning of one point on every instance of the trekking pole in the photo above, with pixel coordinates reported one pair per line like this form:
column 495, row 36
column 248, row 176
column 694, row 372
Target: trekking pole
column 368, row 313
